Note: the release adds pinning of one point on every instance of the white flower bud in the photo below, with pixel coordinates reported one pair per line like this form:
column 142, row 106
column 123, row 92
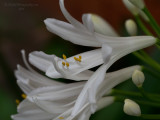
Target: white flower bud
column 138, row 3
column 131, row 108
column 134, row 10
column 131, row 27
column 102, row 26
column 138, row 78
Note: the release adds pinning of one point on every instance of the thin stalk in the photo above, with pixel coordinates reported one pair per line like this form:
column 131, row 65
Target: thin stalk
column 152, row 21
column 142, row 102
column 142, row 26
column 132, row 94
column 150, row 116
column 150, row 62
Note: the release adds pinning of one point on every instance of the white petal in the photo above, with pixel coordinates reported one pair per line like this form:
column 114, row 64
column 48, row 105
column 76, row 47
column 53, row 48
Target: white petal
column 105, row 101
column 126, row 44
column 72, row 20
column 87, row 21
column 106, row 52
column 70, row 33
column 89, row 60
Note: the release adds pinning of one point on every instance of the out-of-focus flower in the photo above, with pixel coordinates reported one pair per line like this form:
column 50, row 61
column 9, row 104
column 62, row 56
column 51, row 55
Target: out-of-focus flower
column 131, row 27
column 134, row 9
column 138, row 3
column 131, row 108
column 138, row 78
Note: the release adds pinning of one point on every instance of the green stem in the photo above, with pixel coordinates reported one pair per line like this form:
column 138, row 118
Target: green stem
column 149, row 61
column 132, row 94
column 142, row 26
column 145, row 69
column 150, row 116
column 152, row 21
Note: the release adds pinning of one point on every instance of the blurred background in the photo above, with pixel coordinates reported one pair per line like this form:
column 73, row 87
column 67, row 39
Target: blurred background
column 22, row 27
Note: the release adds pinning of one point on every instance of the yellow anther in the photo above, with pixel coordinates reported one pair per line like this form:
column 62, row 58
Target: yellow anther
column 80, row 57
column 24, row 96
column 17, row 101
column 67, row 64
column 63, row 63
column 76, row 59
column 61, row 117
column 64, row 57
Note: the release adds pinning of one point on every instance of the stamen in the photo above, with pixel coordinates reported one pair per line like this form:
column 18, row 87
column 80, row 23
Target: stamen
column 64, row 57
column 17, row 101
column 63, row 63
column 79, row 59
column 61, row 117
column 24, row 96
column 67, row 64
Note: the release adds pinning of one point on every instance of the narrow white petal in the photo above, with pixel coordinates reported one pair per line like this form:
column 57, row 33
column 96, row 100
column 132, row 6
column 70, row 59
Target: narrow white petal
column 106, row 52
column 89, row 60
column 105, row 101
column 87, row 21
column 72, row 20
column 70, row 33
column 127, row 44
column 53, row 107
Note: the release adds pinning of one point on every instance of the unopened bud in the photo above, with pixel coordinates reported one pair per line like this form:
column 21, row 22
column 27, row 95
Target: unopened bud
column 102, row 26
column 131, row 27
column 133, row 9
column 131, row 108
column 138, row 3
column 138, row 78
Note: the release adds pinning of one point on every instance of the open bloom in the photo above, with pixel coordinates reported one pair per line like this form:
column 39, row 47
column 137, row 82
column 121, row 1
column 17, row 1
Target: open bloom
column 93, row 32
column 48, row 99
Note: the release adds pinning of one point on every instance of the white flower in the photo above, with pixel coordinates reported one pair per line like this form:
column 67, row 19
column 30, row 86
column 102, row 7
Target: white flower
column 131, row 108
column 48, row 99
column 138, row 78
column 131, row 27
column 83, row 34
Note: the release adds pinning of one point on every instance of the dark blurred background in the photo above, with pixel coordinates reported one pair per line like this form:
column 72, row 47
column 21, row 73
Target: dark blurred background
column 22, row 27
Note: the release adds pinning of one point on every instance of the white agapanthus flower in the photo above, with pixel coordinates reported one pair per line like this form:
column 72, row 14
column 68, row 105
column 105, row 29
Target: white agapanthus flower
column 93, row 32
column 48, row 99
column 87, row 34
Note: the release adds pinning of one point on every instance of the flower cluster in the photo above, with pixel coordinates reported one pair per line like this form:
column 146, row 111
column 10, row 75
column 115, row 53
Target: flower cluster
column 48, row 99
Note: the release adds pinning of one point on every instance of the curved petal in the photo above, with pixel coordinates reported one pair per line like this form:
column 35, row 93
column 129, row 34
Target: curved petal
column 72, row 20
column 71, row 33
column 77, row 70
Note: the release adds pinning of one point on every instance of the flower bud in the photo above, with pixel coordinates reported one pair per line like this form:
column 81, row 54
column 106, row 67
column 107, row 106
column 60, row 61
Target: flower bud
column 131, row 108
column 133, row 9
column 138, row 78
column 131, row 27
column 102, row 26
column 138, row 3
